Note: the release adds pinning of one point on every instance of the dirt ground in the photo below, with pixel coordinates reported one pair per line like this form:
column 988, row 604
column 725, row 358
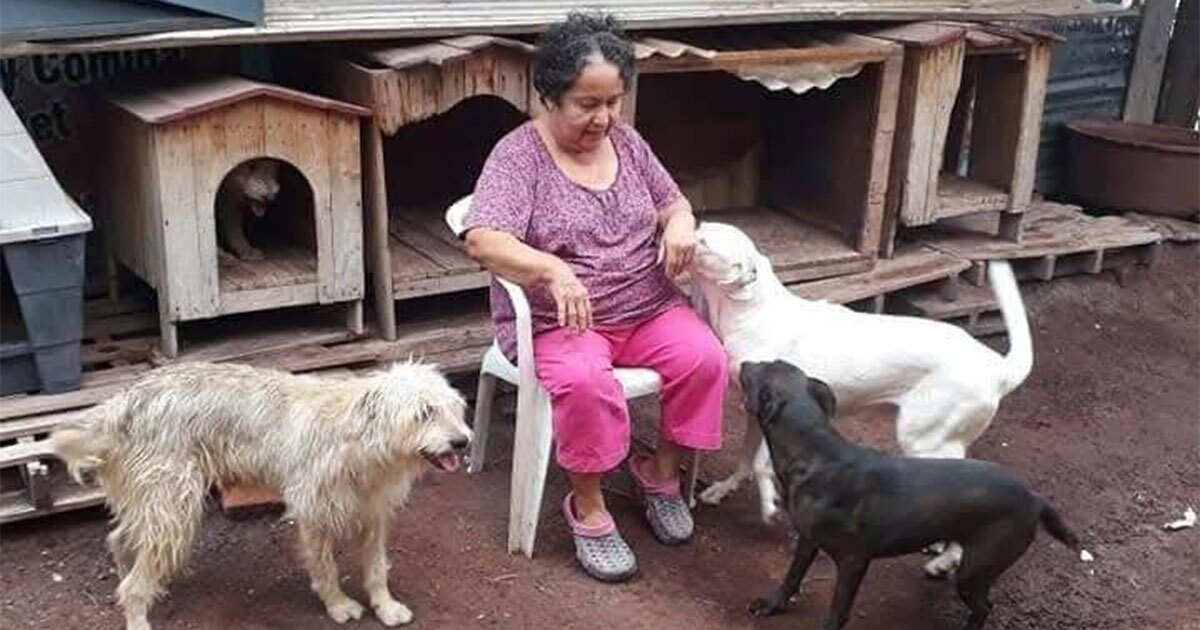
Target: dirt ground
column 1107, row 428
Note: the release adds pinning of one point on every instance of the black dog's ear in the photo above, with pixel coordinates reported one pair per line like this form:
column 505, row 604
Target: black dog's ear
column 768, row 404
column 824, row 396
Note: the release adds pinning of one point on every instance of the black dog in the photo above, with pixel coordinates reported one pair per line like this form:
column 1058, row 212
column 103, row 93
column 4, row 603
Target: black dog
column 857, row 503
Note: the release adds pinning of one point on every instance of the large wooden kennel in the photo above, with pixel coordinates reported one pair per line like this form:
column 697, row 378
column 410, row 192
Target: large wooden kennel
column 439, row 107
column 170, row 148
column 784, row 132
column 969, row 123
column 827, row 149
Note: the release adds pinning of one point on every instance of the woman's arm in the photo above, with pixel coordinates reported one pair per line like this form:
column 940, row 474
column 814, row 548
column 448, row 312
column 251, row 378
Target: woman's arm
column 678, row 244
column 508, row 257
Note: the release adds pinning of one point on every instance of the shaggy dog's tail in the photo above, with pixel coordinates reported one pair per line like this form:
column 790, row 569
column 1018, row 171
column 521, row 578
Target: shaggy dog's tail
column 1019, row 360
column 82, row 444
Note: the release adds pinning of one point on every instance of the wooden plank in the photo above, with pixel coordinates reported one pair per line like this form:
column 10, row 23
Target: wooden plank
column 959, row 195
column 27, row 451
column 1050, row 229
column 14, row 508
column 240, row 345
column 927, row 302
column 776, row 234
column 346, row 207
column 908, row 268
column 46, row 403
column 300, row 137
column 1149, row 59
column 1180, row 93
column 883, row 131
column 35, row 425
column 923, row 34
column 410, row 287
column 1033, row 98
column 450, row 259
column 268, row 299
column 375, row 222
column 997, row 118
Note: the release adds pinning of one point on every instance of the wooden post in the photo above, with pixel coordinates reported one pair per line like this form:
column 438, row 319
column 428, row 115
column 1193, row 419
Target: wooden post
column 1145, row 79
column 376, row 223
column 887, row 98
column 1180, row 94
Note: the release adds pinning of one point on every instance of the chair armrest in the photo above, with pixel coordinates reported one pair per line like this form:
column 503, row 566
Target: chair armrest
column 524, row 325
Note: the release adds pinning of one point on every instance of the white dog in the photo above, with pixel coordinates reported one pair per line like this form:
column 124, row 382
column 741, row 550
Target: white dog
column 343, row 454
column 945, row 384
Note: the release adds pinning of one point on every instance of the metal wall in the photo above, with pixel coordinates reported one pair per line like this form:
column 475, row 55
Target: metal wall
column 1088, row 75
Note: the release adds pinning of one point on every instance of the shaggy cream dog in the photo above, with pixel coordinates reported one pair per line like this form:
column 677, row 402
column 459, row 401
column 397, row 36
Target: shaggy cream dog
column 342, row 453
column 945, row 385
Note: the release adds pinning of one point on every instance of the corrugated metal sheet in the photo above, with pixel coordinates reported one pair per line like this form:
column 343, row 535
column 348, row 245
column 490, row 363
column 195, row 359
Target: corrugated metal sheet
column 1088, row 75
column 307, row 20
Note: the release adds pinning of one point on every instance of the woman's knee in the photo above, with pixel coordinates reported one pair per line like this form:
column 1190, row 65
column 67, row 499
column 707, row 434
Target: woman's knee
column 583, row 378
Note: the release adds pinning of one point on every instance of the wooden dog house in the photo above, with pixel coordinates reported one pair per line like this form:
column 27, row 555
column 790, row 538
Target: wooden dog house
column 969, row 123
column 818, row 106
column 172, row 145
column 438, row 108
column 784, row 132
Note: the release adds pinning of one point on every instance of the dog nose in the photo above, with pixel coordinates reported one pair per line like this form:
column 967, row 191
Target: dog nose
column 460, row 442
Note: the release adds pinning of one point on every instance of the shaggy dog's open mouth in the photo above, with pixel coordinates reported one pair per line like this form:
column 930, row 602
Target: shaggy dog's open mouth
column 446, row 461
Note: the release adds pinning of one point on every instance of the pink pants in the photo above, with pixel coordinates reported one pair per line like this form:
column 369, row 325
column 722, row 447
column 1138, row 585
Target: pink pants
column 591, row 419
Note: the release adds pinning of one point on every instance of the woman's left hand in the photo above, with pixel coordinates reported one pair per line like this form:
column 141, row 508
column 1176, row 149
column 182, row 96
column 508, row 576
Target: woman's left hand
column 678, row 242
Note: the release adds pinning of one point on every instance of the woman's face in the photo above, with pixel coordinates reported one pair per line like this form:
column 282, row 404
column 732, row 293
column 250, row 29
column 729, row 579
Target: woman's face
column 585, row 113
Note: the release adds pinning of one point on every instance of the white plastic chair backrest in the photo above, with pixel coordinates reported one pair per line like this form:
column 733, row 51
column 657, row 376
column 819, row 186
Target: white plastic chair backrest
column 456, row 214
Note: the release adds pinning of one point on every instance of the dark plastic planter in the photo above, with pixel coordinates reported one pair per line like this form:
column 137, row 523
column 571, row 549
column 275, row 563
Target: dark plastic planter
column 47, row 277
column 1128, row 166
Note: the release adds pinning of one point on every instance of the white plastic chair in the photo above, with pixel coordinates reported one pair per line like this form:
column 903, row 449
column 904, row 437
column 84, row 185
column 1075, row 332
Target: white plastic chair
column 531, row 446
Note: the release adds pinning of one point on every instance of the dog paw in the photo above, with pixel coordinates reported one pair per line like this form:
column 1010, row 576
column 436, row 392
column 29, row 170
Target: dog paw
column 939, row 569
column 393, row 613
column 345, row 610
column 771, row 514
column 251, row 254
column 714, row 494
column 763, row 607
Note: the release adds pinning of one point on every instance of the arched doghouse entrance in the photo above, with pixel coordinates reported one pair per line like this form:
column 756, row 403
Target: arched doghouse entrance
column 265, row 226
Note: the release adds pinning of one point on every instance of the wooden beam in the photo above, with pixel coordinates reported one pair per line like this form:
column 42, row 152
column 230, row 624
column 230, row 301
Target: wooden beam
column 1145, row 79
column 1180, row 94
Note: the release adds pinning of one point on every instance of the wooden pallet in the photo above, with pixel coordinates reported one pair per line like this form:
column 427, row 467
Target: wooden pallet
column 36, row 485
column 1171, row 228
column 1057, row 240
column 869, row 291
column 975, row 308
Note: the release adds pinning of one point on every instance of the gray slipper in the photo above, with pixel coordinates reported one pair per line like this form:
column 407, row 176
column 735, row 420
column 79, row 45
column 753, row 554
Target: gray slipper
column 666, row 511
column 600, row 549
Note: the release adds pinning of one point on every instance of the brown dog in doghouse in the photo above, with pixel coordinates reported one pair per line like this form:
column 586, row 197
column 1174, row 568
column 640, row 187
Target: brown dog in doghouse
column 244, row 194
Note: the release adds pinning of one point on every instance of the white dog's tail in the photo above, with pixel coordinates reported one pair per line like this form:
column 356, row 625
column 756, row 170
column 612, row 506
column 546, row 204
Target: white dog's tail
column 82, row 444
column 1019, row 360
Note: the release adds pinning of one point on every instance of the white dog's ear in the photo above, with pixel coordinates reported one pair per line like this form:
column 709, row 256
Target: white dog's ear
column 746, row 274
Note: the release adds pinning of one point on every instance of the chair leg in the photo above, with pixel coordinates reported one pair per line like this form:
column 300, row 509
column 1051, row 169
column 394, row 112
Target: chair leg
column 483, row 421
column 531, row 457
column 689, row 487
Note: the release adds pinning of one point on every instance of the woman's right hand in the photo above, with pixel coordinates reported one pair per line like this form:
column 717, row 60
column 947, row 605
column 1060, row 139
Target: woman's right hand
column 571, row 298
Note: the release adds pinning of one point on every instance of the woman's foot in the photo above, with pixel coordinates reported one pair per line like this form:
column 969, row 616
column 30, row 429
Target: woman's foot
column 599, row 548
column 666, row 511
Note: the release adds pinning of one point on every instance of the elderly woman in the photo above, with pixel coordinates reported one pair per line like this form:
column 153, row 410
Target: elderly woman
column 576, row 208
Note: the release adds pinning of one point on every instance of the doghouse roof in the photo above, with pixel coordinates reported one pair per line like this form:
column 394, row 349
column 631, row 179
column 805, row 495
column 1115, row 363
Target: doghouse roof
column 35, row 206
column 777, row 57
column 170, row 101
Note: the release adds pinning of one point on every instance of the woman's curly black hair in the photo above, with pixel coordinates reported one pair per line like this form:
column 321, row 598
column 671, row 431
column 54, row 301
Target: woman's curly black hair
column 563, row 51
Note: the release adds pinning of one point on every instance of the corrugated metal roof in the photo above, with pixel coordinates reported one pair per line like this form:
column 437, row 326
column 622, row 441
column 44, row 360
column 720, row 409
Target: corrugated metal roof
column 1088, row 76
column 35, row 206
column 307, row 20
column 776, row 57
column 182, row 98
